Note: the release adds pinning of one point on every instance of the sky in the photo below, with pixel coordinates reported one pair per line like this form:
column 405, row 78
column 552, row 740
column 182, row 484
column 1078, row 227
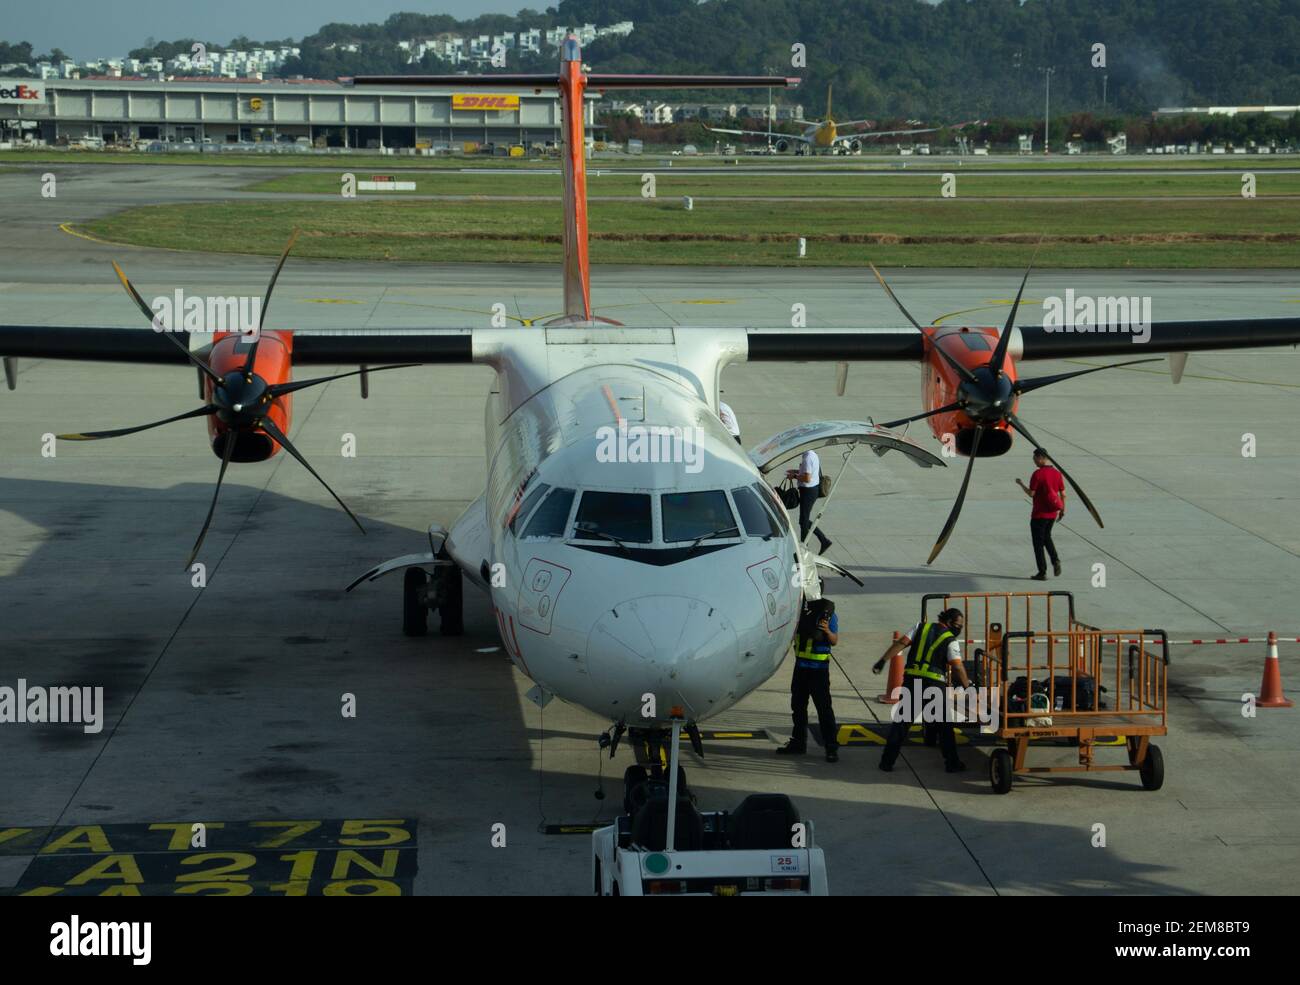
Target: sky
column 108, row 28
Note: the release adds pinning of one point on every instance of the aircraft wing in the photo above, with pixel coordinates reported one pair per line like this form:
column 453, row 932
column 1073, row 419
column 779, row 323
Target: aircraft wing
column 877, row 133
column 775, row 134
column 372, row 346
column 310, row 346
column 892, row 133
column 1035, row 341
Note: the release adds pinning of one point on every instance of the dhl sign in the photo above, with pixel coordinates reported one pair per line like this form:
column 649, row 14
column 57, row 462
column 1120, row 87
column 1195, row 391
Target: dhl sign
column 473, row 100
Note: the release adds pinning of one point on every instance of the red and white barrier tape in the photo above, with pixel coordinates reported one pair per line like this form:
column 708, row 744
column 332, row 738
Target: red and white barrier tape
column 1205, row 642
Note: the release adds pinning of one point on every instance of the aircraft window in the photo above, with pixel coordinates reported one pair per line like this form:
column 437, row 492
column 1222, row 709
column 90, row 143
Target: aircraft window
column 622, row 516
column 552, row 515
column 526, row 507
column 769, row 500
column 758, row 521
column 976, row 342
column 692, row 515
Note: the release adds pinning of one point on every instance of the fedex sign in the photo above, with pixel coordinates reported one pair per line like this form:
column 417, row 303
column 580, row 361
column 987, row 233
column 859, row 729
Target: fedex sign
column 13, row 91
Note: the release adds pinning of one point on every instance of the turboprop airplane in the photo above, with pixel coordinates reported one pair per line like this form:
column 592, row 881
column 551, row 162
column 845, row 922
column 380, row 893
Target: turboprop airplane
column 824, row 134
column 630, row 548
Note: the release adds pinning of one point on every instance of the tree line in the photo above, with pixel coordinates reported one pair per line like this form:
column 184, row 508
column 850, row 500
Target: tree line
column 955, row 59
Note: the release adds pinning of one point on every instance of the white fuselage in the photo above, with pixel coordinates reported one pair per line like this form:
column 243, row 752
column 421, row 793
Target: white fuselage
column 628, row 630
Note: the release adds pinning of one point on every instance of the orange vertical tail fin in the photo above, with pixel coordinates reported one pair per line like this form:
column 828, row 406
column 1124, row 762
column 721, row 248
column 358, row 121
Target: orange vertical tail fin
column 577, row 266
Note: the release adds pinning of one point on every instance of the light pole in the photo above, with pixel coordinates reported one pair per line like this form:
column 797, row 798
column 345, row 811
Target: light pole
column 1047, row 109
column 767, row 110
column 1020, row 88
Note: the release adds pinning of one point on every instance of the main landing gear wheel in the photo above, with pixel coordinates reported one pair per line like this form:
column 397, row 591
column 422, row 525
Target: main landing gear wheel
column 1000, row 774
column 1152, row 769
column 449, row 598
column 415, row 613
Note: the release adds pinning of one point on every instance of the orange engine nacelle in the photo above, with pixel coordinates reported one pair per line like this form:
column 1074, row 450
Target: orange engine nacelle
column 941, row 385
column 273, row 364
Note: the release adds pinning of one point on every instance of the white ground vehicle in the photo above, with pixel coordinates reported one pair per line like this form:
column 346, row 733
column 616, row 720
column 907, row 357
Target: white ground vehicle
column 650, row 851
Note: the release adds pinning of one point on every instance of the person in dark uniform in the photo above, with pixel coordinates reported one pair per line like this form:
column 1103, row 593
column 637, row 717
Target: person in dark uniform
column 818, row 631
column 932, row 650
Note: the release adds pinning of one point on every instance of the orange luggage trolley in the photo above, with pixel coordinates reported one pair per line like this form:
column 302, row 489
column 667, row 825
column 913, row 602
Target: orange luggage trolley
column 1098, row 684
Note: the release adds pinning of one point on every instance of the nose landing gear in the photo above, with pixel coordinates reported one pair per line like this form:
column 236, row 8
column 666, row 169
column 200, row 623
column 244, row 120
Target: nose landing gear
column 649, row 777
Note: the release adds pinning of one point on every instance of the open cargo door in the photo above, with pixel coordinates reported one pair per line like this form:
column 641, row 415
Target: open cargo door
column 781, row 449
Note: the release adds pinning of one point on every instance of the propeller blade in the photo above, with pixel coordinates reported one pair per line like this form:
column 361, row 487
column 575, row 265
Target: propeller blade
column 918, row 417
column 1004, row 340
column 841, row 378
column 225, row 461
column 961, row 498
column 1083, row 497
column 1027, row 386
column 97, row 435
column 270, row 427
column 162, row 330
column 280, row 389
column 894, row 297
column 961, row 370
column 266, row 301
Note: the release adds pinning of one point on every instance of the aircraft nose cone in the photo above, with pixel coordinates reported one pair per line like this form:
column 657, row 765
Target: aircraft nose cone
column 680, row 649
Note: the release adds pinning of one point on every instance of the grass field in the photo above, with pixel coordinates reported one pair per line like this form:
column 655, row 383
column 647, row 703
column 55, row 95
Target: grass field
column 1231, row 232
column 813, row 184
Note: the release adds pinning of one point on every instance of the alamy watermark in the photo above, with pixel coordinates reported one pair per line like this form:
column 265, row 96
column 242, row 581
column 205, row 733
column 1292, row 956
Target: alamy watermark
column 199, row 313
column 651, row 443
column 1085, row 313
column 23, row 705
column 953, row 705
column 92, row 938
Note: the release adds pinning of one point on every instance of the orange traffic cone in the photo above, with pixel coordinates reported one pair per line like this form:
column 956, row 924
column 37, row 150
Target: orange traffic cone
column 1270, row 691
column 895, row 677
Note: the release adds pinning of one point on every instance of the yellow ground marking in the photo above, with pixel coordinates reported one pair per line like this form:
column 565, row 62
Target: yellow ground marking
column 67, row 228
column 989, row 306
column 331, row 301
column 705, row 301
column 90, row 837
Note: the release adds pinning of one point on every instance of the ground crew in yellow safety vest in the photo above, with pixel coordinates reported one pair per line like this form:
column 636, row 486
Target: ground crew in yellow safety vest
column 932, row 649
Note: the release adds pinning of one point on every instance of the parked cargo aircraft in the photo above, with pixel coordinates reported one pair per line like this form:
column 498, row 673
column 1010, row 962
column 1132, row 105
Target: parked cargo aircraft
column 825, row 135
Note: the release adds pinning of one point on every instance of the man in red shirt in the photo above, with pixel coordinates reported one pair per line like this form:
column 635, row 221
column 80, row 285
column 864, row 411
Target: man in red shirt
column 1047, row 489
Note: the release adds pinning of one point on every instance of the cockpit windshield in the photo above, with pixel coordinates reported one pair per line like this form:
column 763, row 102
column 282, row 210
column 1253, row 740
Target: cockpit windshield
column 552, row 515
column 768, row 497
column 625, row 517
column 526, row 506
column 690, row 516
column 758, row 521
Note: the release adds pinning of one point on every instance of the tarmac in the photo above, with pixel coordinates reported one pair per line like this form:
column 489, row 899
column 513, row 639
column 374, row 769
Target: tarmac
column 224, row 704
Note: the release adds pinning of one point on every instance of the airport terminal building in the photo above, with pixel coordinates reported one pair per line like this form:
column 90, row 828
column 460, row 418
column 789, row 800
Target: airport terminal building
column 235, row 111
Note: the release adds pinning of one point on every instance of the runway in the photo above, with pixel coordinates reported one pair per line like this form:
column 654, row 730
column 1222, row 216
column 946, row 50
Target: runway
column 223, row 702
